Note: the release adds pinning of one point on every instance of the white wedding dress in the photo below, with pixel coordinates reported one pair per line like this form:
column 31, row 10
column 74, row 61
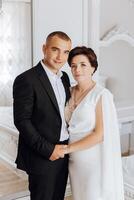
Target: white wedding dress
column 95, row 173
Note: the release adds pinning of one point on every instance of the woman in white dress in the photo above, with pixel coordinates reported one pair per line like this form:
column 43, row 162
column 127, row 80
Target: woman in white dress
column 95, row 159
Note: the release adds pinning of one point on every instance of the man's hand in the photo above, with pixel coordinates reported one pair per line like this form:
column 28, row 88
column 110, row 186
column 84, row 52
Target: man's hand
column 58, row 152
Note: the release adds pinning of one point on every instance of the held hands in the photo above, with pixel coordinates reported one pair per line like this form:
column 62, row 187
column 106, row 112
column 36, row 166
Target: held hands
column 59, row 152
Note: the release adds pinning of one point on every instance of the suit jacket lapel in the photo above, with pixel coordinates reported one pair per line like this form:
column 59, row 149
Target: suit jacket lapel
column 47, row 85
column 65, row 86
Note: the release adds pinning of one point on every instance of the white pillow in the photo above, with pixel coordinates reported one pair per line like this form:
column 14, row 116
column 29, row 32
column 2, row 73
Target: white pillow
column 6, row 117
column 128, row 165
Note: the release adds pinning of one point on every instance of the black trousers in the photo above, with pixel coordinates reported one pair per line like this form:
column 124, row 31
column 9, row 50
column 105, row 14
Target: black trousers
column 52, row 184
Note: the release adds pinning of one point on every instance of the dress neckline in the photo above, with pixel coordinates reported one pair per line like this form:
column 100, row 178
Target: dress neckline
column 78, row 105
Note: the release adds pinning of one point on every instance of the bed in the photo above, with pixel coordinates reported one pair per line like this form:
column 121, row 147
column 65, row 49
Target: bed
column 8, row 135
column 128, row 174
column 9, row 140
column 125, row 111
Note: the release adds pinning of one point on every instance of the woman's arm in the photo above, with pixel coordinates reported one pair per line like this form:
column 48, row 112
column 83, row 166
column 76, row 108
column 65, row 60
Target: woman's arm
column 94, row 137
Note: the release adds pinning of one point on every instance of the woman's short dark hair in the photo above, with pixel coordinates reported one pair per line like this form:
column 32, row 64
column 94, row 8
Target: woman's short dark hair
column 88, row 52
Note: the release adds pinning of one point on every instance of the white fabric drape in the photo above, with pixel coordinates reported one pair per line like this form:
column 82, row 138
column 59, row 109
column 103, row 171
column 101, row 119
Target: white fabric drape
column 112, row 182
column 15, row 45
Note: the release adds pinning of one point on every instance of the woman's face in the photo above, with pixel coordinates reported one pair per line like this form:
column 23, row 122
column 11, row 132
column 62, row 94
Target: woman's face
column 81, row 68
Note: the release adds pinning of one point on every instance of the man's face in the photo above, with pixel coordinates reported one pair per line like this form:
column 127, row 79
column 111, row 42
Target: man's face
column 56, row 52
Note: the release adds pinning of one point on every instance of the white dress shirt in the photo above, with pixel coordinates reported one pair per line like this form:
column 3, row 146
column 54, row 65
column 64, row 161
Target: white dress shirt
column 57, row 85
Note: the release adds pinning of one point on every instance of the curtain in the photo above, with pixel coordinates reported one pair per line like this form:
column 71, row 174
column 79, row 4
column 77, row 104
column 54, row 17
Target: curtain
column 15, row 45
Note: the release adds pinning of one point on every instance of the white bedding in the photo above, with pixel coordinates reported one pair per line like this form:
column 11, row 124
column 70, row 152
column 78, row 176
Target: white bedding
column 128, row 169
column 128, row 173
column 6, row 117
column 8, row 135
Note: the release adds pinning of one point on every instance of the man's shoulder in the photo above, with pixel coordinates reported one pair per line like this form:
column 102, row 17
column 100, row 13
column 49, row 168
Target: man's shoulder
column 28, row 73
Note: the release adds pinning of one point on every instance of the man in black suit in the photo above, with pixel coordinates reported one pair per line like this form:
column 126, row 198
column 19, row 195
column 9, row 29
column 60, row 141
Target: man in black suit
column 39, row 96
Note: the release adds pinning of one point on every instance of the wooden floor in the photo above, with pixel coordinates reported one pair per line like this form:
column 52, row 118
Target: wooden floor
column 12, row 183
column 27, row 198
column 68, row 198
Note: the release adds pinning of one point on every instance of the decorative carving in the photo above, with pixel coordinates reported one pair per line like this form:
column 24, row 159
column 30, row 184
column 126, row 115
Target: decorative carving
column 115, row 34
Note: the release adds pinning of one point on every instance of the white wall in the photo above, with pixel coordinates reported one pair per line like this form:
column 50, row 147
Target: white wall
column 74, row 18
column 49, row 16
column 116, row 61
column 69, row 16
column 116, row 12
column 55, row 15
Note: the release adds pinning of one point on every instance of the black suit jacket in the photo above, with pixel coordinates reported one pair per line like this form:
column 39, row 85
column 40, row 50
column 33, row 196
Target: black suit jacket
column 37, row 117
